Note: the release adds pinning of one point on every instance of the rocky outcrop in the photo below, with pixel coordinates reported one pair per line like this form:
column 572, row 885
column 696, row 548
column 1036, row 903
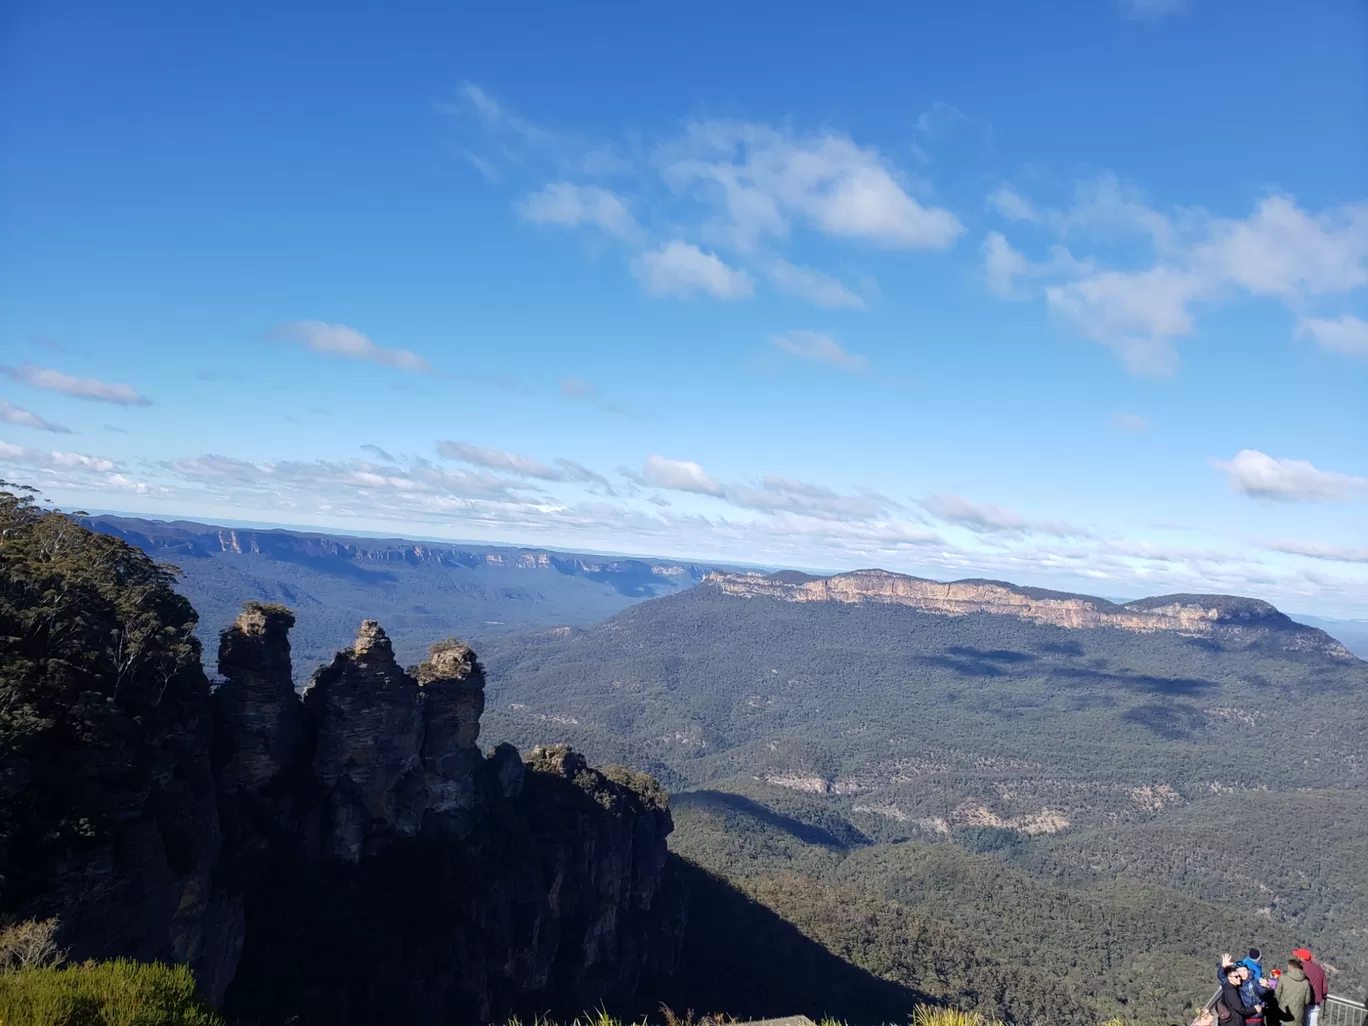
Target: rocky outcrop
column 258, row 699
column 532, row 885
column 1225, row 618
column 366, row 719
column 451, row 683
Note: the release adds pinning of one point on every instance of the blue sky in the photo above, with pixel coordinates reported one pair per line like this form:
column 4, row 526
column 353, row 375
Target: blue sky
column 1071, row 294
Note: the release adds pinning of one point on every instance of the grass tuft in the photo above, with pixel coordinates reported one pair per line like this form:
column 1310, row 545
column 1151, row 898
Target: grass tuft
column 118, row 993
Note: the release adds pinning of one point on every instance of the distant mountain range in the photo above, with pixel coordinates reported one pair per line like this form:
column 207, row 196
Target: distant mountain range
column 483, row 591
column 420, row 590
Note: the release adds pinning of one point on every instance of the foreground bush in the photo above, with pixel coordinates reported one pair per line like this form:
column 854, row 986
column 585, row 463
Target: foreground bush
column 120, row 993
column 927, row 1016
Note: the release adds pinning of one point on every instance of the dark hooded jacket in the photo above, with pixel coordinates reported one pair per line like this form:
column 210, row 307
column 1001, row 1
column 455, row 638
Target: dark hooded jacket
column 1240, row 1013
column 1292, row 996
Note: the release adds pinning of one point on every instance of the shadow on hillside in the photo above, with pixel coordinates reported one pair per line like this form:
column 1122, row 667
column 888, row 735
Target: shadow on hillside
column 1172, row 723
column 997, row 655
column 723, row 801
column 978, row 662
column 964, row 667
column 739, row 957
column 1136, row 681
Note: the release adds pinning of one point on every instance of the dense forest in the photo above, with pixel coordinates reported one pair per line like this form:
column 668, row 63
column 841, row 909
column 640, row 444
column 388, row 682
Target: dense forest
column 1119, row 947
column 928, row 711
column 1124, row 792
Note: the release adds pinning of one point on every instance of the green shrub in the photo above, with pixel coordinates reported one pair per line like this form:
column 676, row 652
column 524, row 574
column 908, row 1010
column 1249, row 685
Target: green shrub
column 119, row 993
column 925, row 1015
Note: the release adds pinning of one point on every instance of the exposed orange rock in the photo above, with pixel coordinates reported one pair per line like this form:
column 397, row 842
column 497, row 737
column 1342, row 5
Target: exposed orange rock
column 1239, row 620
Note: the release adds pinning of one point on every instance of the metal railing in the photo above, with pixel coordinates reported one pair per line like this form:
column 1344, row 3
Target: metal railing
column 1336, row 1011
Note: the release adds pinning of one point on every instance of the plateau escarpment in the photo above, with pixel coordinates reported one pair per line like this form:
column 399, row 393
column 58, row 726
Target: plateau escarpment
column 1226, row 618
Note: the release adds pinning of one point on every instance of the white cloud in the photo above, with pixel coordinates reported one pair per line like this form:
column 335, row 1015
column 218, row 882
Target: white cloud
column 763, row 178
column 1130, row 422
column 1346, row 334
column 498, row 459
column 348, row 483
column 774, row 495
column 71, row 469
column 1263, row 477
column 1279, row 250
column 53, row 459
column 1320, row 550
column 523, row 141
column 1134, row 313
column 819, row 348
column 735, row 186
column 816, row 287
column 516, row 463
column 382, row 453
column 1108, row 209
column 682, row 269
column 215, row 466
column 11, row 414
column 498, row 117
column 348, row 344
column 1003, row 266
column 79, row 388
column 567, row 205
column 679, row 476
column 783, row 494
column 982, row 518
column 1011, row 205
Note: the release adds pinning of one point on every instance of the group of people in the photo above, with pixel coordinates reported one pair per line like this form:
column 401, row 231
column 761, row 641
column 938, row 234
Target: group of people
column 1248, row 997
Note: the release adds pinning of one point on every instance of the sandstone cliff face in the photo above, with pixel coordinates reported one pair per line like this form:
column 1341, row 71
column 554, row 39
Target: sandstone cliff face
column 1228, row 619
column 452, row 692
column 258, row 699
column 367, row 721
column 393, row 873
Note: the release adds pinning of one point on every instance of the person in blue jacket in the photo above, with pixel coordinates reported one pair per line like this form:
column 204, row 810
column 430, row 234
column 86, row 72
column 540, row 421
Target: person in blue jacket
column 1255, row 964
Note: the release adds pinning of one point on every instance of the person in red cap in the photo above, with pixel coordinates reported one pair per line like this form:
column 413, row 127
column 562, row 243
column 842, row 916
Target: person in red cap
column 1315, row 975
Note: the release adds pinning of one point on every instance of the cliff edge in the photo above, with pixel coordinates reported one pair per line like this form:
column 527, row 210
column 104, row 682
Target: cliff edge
column 1229, row 619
